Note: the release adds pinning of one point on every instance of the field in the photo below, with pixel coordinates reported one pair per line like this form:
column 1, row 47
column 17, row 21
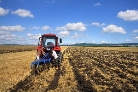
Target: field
column 13, row 48
column 84, row 69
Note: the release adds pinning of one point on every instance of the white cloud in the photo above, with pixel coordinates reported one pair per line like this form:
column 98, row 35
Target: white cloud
column 72, row 27
column 135, row 31
column 97, row 4
column 136, row 38
column 63, row 34
column 97, row 24
column 3, row 11
column 128, row 40
column 93, row 42
column 104, row 42
column 50, row 1
column 35, row 28
column 129, row 15
column 8, row 37
column 4, row 32
column 12, row 28
column 63, row 28
column 20, row 38
column 12, row 39
column 44, row 28
column 76, row 35
column 133, row 34
column 33, row 36
column 113, row 29
column 23, row 13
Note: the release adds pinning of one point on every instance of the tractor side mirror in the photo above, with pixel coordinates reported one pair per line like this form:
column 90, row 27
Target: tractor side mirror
column 60, row 40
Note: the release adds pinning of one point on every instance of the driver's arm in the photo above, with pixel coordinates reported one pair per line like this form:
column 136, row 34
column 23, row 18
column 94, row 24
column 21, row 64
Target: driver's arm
column 43, row 50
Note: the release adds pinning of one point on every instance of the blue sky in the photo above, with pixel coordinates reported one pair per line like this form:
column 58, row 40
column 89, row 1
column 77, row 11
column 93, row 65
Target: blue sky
column 75, row 21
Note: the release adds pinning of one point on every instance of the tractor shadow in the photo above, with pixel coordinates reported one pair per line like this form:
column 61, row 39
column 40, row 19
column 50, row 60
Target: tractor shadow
column 82, row 84
column 28, row 82
column 23, row 85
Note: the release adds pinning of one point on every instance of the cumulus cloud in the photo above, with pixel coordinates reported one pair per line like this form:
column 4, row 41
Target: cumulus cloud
column 129, row 15
column 4, row 32
column 35, row 28
column 136, row 38
column 44, row 28
column 16, row 28
column 113, row 29
column 97, row 4
column 8, row 37
column 97, row 24
column 23, row 13
column 63, row 34
column 3, row 11
column 76, row 35
column 72, row 27
column 33, row 36
column 135, row 31
column 12, row 39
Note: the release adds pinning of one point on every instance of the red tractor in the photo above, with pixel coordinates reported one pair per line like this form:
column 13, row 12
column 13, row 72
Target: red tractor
column 45, row 44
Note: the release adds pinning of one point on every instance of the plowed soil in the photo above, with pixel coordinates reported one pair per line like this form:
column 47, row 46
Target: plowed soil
column 82, row 70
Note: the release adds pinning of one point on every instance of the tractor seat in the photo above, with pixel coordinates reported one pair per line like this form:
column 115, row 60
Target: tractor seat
column 50, row 44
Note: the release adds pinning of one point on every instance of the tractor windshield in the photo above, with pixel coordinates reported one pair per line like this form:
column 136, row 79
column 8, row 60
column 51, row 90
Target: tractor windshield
column 48, row 41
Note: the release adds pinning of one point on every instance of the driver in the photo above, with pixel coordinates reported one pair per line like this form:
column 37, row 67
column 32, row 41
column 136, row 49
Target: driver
column 54, row 55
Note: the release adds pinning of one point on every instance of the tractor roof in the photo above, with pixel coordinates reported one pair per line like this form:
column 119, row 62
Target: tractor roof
column 49, row 35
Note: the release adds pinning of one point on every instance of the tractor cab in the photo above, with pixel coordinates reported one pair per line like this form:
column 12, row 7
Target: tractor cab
column 49, row 41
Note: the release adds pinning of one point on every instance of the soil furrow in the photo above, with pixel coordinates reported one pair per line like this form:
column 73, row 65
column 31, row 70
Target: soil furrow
column 23, row 85
column 82, row 84
column 82, row 70
column 54, row 83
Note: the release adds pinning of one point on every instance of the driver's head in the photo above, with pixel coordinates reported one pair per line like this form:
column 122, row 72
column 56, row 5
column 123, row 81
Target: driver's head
column 49, row 48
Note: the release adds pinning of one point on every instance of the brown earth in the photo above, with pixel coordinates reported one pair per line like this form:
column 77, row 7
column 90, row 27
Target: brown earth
column 83, row 69
column 15, row 48
column 15, row 67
